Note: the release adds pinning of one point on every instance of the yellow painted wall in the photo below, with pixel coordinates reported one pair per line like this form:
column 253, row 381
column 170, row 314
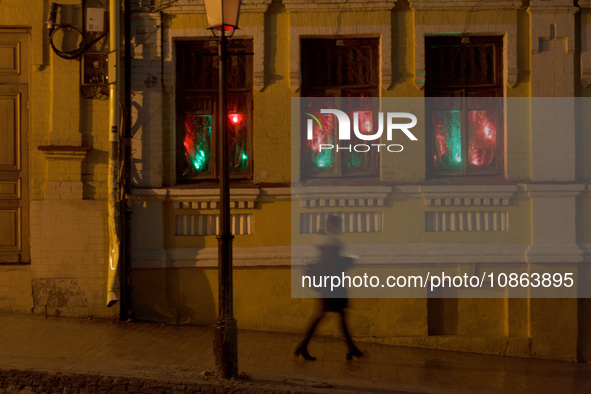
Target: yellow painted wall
column 262, row 301
column 68, row 237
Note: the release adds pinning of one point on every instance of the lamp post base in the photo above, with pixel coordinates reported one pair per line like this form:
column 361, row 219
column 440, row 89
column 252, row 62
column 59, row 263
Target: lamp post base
column 226, row 349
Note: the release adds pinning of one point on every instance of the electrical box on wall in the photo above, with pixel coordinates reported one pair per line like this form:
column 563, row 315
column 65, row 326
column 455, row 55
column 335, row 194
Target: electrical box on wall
column 94, row 69
column 95, row 20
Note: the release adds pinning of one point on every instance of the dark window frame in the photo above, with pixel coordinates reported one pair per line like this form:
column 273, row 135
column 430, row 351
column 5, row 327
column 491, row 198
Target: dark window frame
column 206, row 100
column 339, row 89
column 463, row 90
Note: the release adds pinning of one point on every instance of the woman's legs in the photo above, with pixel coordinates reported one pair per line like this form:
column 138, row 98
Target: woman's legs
column 350, row 343
column 302, row 348
column 311, row 329
column 353, row 350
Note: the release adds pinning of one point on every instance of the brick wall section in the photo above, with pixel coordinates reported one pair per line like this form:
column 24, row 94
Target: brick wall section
column 15, row 289
column 69, row 254
column 94, row 128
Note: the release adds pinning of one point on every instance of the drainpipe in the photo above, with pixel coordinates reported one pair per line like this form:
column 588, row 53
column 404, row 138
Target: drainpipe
column 114, row 223
column 125, row 311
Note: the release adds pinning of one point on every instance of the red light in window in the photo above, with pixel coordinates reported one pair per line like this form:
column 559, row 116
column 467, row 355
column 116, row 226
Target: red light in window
column 365, row 122
column 482, row 139
column 488, row 132
column 236, row 118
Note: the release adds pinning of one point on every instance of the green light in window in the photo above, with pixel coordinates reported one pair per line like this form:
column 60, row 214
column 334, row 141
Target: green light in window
column 324, row 159
column 196, row 141
column 447, row 140
column 199, row 160
column 239, row 159
column 455, row 142
column 356, row 160
column 243, row 160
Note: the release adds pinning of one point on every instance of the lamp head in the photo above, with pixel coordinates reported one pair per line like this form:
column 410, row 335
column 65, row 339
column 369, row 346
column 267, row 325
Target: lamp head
column 222, row 14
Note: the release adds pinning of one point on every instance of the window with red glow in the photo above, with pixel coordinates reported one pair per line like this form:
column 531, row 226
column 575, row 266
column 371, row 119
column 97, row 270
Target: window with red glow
column 333, row 72
column 465, row 105
column 197, row 110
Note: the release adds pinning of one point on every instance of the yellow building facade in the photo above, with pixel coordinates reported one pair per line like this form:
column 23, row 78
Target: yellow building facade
column 56, row 194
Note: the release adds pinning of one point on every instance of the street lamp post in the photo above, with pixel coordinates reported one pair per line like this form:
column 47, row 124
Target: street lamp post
column 222, row 15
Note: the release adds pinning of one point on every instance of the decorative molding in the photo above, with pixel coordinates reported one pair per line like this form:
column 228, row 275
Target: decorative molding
column 468, row 195
column 352, row 222
column 335, row 202
column 569, row 253
column 338, row 5
column 199, row 198
column 341, row 196
column 444, row 221
column 10, row 189
column 449, row 5
column 275, row 194
column 553, row 190
column 509, row 32
column 552, row 7
column 198, row 7
column 545, row 42
column 200, row 225
column 64, row 152
column 64, row 184
column 207, row 203
column 463, row 201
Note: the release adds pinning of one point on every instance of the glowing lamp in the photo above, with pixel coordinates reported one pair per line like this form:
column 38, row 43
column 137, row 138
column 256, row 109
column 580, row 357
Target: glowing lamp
column 222, row 14
column 236, row 118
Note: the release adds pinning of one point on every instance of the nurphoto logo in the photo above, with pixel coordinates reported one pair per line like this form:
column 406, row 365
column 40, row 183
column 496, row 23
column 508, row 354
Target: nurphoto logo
column 362, row 129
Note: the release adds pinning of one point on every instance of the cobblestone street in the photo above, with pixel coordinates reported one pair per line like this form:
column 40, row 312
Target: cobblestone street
column 16, row 381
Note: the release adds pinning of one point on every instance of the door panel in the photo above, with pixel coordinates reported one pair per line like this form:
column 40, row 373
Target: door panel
column 9, row 131
column 14, row 59
column 14, row 116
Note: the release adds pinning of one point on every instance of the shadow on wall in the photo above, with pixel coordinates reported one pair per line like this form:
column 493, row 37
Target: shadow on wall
column 164, row 295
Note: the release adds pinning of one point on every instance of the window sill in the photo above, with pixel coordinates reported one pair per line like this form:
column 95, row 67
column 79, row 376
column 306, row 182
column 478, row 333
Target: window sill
column 493, row 180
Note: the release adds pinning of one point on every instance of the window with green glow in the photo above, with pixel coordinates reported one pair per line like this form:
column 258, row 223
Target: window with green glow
column 334, row 70
column 465, row 105
column 197, row 110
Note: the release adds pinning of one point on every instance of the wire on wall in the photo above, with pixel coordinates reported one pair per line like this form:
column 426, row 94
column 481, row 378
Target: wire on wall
column 82, row 48
column 84, row 45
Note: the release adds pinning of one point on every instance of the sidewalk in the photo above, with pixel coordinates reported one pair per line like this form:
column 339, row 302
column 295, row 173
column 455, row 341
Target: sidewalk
column 179, row 355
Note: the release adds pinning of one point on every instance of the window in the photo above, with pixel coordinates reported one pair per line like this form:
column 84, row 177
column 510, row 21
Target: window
column 197, row 109
column 466, row 119
column 337, row 69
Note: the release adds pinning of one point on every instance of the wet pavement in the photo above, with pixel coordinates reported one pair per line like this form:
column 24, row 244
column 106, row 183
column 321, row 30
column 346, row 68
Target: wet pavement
column 93, row 356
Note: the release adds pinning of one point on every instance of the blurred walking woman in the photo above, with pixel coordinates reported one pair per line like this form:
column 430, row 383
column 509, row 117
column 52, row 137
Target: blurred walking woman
column 330, row 262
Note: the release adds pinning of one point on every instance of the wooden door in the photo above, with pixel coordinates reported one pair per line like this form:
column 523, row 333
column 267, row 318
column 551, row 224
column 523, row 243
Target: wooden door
column 14, row 164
